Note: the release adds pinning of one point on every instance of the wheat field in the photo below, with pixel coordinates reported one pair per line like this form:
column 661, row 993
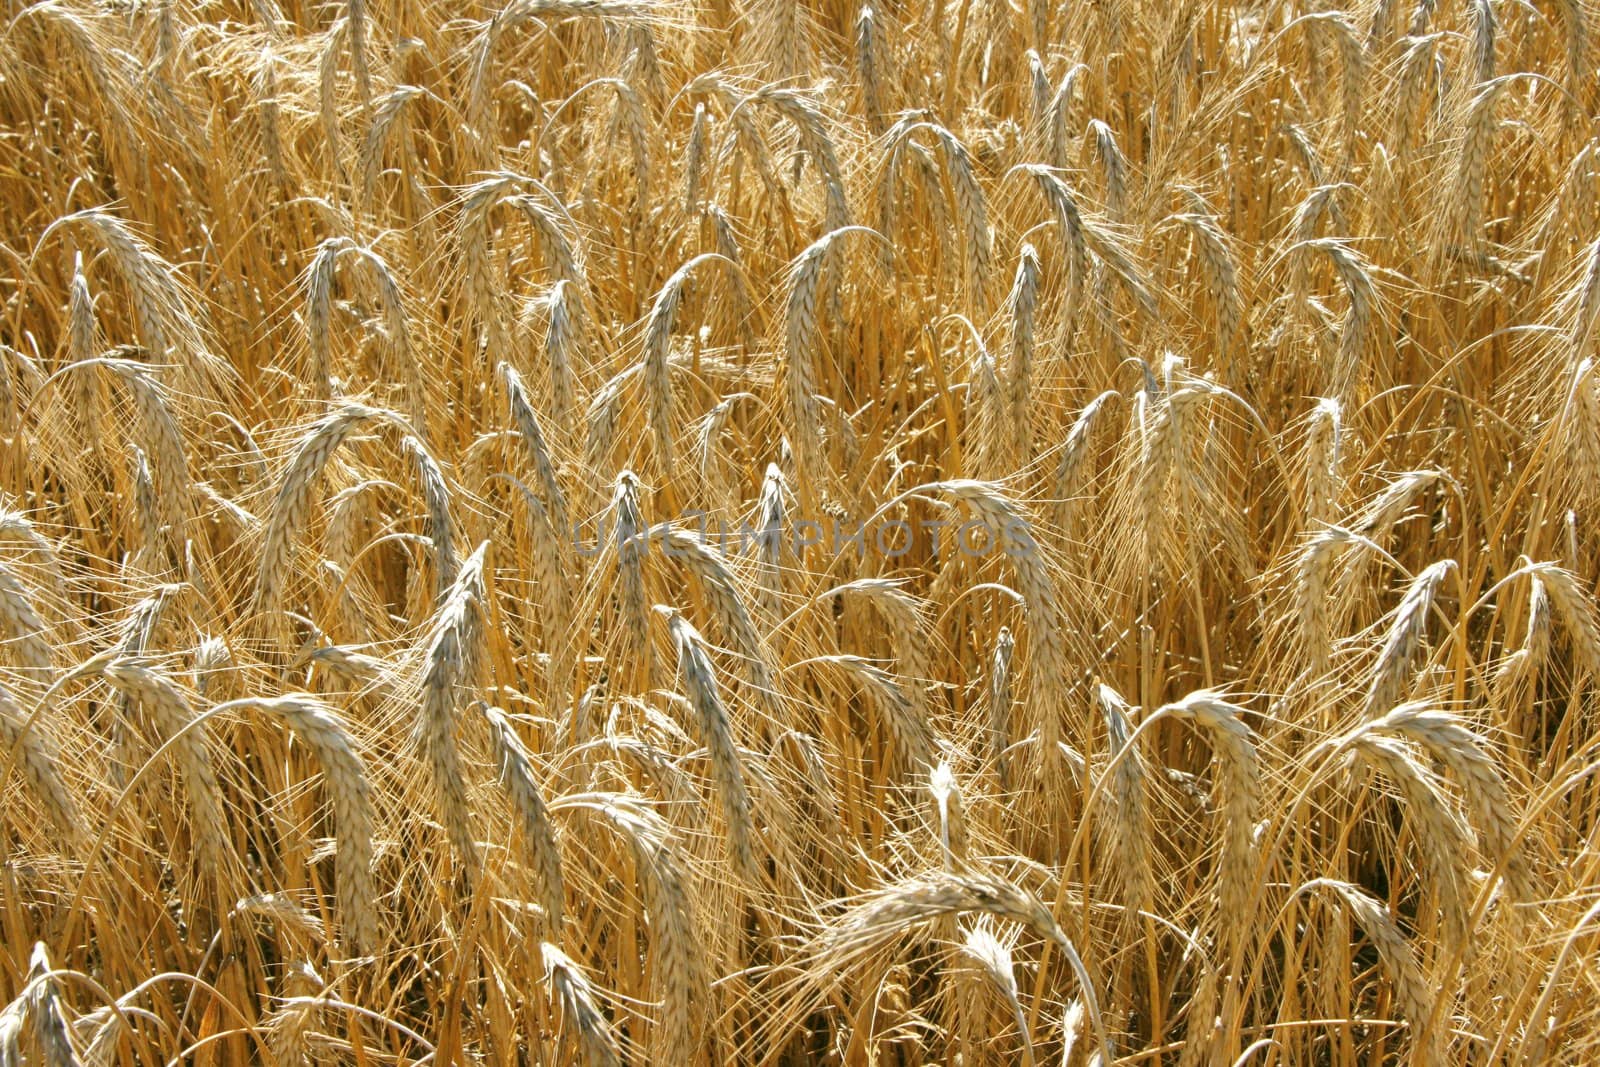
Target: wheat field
column 799, row 531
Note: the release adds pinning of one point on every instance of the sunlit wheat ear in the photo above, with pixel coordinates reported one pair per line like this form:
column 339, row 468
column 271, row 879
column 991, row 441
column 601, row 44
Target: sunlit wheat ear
column 728, row 607
column 716, row 732
column 1067, row 482
column 911, row 743
column 1440, row 836
column 158, row 428
column 1238, row 788
column 1483, row 788
column 1128, row 832
column 28, row 747
column 1000, row 702
column 629, row 545
column 950, row 816
column 345, row 775
column 441, row 525
column 538, row 833
column 1024, row 304
column 21, row 628
column 989, row 435
column 1399, row 962
column 1579, row 616
column 677, row 963
column 1063, row 203
column 164, row 307
column 292, row 503
column 1400, row 646
column 1221, row 274
column 887, row 913
column 454, row 650
column 580, row 1007
column 528, row 427
column 993, row 960
column 174, row 721
column 1324, row 444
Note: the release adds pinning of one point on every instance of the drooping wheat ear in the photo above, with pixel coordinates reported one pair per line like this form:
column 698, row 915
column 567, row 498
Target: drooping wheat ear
column 950, row 816
column 532, row 435
column 1113, row 167
column 164, row 308
column 1128, row 834
column 1416, row 66
column 1575, row 21
column 801, row 331
column 1488, row 800
column 1314, row 610
column 550, row 222
column 453, row 652
column 811, row 127
column 1000, row 701
column 631, row 544
column 23, row 629
column 1580, row 422
column 292, row 504
column 538, row 833
column 911, row 742
column 1441, row 838
column 1010, row 528
column 580, row 1007
column 728, row 607
column 694, row 157
column 328, row 92
column 386, row 117
column 772, row 537
column 356, row 668
column 908, row 635
column 480, row 52
column 1221, row 277
column 1411, row 988
column 1040, row 92
column 1324, row 441
column 82, row 331
column 1576, row 606
column 1238, row 785
column 1377, row 518
column 868, row 62
column 993, row 959
column 147, row 507
column 716, row 732
column 288, row 1026
column 25, row 744
column 1528, row 660
column 1058, row 121
column 1067, row 482
column 1355, row 273
column 172, row 717
column 51, row 1033
column 988, row 435
column 350, row 793
column 1064, row 203
column 1483, row 30
column 677, row 964
column 885, row 914
column 162, row 436
column 564, row 348
column 1472, row 164
column 656, row 361
column 441, row 527
column 1024, row 302
column 1406, row 632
